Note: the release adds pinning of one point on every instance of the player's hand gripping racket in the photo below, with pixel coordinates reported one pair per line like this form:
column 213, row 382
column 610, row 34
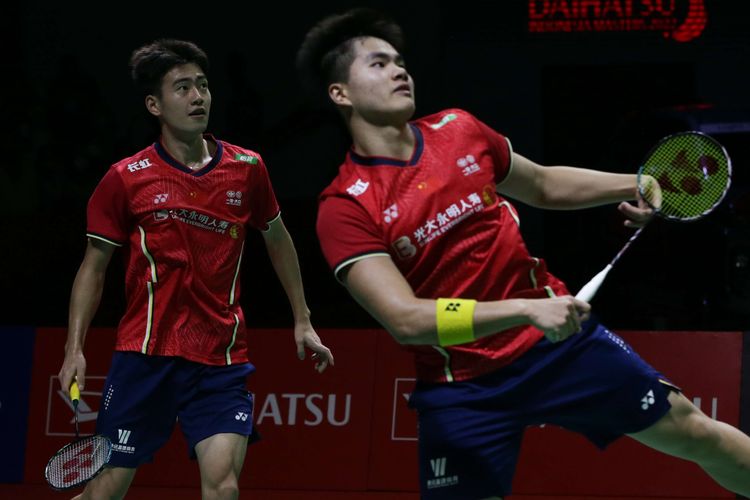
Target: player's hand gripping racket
column 80, row 461
column 683, row 178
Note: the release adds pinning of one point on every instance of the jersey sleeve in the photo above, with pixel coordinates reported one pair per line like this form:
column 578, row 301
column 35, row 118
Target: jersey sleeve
column 500, row 149
column 107, row 213
column 263, row 205
column 346, row 233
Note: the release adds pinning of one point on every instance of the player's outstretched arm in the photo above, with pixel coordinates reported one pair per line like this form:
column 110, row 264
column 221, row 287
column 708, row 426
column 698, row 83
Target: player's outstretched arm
column 563, row 187
column 84, row 301
column 284, row 259
column 379, row 287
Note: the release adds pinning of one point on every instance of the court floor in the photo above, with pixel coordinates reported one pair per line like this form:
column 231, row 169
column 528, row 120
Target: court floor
column 42, row 492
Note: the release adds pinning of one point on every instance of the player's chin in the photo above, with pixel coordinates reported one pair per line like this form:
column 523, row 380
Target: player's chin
column 404, row 109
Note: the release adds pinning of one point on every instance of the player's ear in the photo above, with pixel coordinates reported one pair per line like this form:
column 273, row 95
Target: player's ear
column 339, row 94
column 152, row 105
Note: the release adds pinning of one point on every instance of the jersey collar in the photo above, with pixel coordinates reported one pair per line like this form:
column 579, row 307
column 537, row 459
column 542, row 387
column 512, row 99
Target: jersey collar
column 169, row 159
column 372, row 161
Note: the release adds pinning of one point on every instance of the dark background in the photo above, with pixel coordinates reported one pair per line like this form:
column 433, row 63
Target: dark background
column 596, row 100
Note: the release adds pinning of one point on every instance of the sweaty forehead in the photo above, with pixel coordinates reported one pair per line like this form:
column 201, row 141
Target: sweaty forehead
column 190, row 71
column 367, row 46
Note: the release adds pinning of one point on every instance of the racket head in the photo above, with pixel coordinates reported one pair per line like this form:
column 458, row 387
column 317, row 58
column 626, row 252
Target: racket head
column 693, row 172
column 78, row 462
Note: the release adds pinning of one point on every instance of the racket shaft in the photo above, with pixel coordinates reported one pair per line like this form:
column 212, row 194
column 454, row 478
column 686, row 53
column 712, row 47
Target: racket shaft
column 589, row 289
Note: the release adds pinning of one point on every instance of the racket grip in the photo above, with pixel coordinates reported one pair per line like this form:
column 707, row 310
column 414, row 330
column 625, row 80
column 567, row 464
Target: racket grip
column 75, row 393
column 589, row 289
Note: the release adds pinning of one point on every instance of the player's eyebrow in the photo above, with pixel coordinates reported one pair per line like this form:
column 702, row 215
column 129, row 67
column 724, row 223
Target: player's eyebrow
column 395, row 56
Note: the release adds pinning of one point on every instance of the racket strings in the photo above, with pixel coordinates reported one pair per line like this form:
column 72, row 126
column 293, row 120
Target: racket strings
column 78, row 462
column 692, row 174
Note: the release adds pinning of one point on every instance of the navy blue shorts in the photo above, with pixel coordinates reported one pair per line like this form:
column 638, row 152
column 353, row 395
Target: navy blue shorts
column 470, row 432
column 145, row 396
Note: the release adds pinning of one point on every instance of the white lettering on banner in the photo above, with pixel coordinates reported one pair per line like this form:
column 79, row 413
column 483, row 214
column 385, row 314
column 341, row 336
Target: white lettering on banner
column 714, row 405
column 313, row 413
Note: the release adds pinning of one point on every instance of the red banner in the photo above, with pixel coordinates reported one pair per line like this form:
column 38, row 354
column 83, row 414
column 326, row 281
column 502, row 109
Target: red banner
column 350, row 429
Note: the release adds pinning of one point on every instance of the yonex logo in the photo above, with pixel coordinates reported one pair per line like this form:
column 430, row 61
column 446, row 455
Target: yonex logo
column 453, row 306
column 160, row 198
column 438, row 466
column 123, row 436
column 241, row 416
column 648, row 400
column 390, row 213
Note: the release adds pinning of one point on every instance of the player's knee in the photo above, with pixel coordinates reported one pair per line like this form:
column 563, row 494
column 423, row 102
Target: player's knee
column 221, row 488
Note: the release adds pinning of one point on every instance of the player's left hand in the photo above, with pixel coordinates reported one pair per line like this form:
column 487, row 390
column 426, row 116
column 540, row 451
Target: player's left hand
column 638, row 215
column 306, row 338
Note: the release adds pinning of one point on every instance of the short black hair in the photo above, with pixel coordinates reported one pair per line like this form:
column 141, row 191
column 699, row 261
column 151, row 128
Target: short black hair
column 149, row 63
column 326, row 54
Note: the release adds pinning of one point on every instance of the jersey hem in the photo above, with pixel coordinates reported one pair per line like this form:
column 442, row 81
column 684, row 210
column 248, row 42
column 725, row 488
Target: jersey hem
column 237, row 358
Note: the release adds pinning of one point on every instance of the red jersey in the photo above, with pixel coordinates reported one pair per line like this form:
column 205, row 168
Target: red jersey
column 183, row 233
column 439, row 218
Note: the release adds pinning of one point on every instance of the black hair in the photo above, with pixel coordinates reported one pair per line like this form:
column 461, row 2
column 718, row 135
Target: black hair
column 326, row 53
column 149, row 63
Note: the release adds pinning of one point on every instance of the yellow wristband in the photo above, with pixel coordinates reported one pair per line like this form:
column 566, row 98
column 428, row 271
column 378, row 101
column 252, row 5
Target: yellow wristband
column 455, row 321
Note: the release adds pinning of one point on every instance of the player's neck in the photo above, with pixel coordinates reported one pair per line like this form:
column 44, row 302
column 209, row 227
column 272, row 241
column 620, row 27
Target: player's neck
column 194, row 153
column 391, row 141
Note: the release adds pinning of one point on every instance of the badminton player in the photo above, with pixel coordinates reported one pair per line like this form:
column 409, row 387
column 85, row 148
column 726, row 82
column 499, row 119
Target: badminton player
column 180, row 209
column 419, row 227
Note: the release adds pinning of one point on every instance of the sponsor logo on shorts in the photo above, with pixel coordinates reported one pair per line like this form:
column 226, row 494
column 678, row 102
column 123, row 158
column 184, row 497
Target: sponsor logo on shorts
column 440, row 480
column 648, row 400
column 123, row 436
column 241, row 416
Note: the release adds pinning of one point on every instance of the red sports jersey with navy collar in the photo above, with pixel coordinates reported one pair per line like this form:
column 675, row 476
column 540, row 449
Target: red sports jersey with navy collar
column 439, row 218
column 183, row 234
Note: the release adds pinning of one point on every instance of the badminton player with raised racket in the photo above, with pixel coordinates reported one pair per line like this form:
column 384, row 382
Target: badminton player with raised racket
column 418, row 228
column 180, row 209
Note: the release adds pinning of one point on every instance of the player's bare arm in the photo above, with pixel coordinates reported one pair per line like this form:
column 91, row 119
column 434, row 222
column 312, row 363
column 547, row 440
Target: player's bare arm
column 563, row 187
column 84, row 301
column 380, row 288
column 284, row 259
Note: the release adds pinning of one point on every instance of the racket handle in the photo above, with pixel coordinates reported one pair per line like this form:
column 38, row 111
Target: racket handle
column 589, row 289
column 75, row 393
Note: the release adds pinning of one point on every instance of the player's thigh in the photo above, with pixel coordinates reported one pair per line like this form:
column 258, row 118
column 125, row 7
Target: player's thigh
column 685, row 431
column 220, row 457
column 112, row 483
column 467, row 452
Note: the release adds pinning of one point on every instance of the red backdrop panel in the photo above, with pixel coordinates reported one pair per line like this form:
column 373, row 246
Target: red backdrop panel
column 350, row 429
